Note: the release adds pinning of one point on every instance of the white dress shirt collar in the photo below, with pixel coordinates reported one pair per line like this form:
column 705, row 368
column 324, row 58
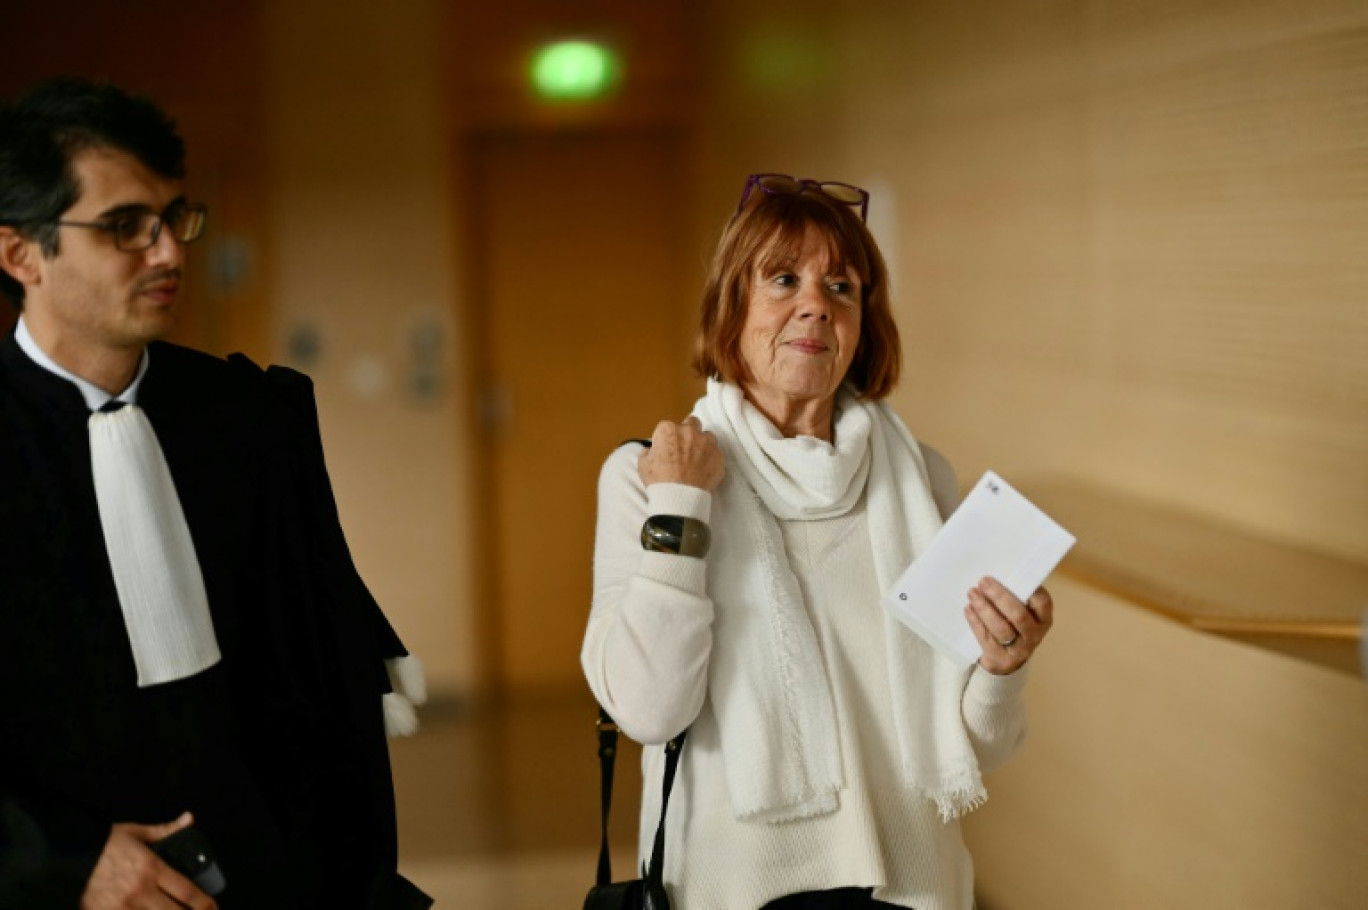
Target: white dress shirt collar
column 95, row 397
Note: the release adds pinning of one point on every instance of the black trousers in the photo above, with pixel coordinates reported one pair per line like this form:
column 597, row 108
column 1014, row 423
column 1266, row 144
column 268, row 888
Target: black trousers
column 838, row 899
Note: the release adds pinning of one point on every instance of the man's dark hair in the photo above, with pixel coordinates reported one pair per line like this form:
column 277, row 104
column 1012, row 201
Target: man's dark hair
column 43, row 130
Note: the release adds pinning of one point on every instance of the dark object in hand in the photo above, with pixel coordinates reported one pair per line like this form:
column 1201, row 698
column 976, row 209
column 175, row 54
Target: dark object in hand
column 188, row 852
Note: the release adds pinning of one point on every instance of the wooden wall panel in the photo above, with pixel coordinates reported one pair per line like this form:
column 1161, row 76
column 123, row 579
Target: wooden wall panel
column 1127, row 242
column 1166, row 768
column 1127, row 238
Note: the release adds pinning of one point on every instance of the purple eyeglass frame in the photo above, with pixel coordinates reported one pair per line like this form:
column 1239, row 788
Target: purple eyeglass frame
column 802, row 185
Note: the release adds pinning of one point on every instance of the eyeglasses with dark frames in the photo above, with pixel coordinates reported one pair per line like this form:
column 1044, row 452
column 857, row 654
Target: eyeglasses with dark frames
column 138, row 229
column 784, row 185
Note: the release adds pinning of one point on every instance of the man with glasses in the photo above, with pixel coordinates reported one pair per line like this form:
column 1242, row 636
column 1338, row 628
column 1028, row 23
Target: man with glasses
column 184, row 641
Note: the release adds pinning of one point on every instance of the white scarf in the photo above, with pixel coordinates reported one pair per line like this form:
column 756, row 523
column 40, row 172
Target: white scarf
column 156, row 573
column 766, row 678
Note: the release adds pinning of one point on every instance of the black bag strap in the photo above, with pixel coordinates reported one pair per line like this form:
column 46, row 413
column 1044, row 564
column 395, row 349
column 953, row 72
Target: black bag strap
column 607, row 751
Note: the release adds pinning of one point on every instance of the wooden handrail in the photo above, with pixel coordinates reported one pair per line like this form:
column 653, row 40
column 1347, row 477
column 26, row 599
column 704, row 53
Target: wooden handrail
column 1331, row 631
column 1213, row 577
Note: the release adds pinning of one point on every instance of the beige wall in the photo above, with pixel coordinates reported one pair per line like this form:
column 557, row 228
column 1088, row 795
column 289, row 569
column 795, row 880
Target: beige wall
column 1125, row 245
column 1127, row 239
column 1128, row 244
column 363, row 216
column 1167, row 769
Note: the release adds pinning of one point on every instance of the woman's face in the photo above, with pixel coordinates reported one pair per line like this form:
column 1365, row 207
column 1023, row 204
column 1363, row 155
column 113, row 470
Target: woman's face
column 801, row 330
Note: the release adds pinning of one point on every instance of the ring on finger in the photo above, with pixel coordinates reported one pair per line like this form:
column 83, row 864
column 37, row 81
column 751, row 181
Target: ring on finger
column 1016, row 636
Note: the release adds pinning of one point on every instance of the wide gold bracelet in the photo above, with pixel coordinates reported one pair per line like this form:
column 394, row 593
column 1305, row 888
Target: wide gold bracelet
column 676, row 534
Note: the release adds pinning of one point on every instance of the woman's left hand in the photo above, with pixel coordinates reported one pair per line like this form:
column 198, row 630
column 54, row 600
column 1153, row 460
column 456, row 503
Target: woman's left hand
column 1008, row 630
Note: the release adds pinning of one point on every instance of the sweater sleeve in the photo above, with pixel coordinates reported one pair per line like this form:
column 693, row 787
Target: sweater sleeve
column 649, row 635
column 994, row 715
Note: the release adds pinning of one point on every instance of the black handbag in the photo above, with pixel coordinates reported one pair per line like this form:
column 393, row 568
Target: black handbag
column 647, row 892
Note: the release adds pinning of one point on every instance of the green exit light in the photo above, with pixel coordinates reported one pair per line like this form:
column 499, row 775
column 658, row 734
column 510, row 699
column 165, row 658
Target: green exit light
column 573, row 70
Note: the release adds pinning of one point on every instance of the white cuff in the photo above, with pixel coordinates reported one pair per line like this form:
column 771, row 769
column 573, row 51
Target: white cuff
column 678, row 499
column 988, row 688
column 410, row 689
column 406, row 677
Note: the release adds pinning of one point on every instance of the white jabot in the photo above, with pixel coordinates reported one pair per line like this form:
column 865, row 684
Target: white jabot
column 409, row 691
column 156, row 572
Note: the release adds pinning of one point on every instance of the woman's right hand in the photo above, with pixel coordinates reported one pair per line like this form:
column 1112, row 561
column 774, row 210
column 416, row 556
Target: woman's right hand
column 682, row 453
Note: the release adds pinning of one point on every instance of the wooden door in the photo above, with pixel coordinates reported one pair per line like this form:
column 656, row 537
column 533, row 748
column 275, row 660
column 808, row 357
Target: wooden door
column 581, row 318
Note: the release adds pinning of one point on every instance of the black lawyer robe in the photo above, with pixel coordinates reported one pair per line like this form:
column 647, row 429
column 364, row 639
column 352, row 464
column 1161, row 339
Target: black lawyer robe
column 279, row 749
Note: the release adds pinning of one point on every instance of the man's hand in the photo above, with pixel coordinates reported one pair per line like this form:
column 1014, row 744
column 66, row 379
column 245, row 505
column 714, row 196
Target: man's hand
column 129, row 875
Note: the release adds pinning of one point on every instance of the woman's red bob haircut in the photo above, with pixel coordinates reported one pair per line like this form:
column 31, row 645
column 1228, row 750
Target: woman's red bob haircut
column 770, row 229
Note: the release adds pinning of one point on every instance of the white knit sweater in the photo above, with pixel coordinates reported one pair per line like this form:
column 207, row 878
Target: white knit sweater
column 646, row 656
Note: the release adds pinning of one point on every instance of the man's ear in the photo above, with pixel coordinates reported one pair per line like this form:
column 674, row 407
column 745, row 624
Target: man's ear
column 19, row 256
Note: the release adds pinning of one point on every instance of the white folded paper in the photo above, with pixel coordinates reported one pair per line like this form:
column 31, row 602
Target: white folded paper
column 995, row 532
